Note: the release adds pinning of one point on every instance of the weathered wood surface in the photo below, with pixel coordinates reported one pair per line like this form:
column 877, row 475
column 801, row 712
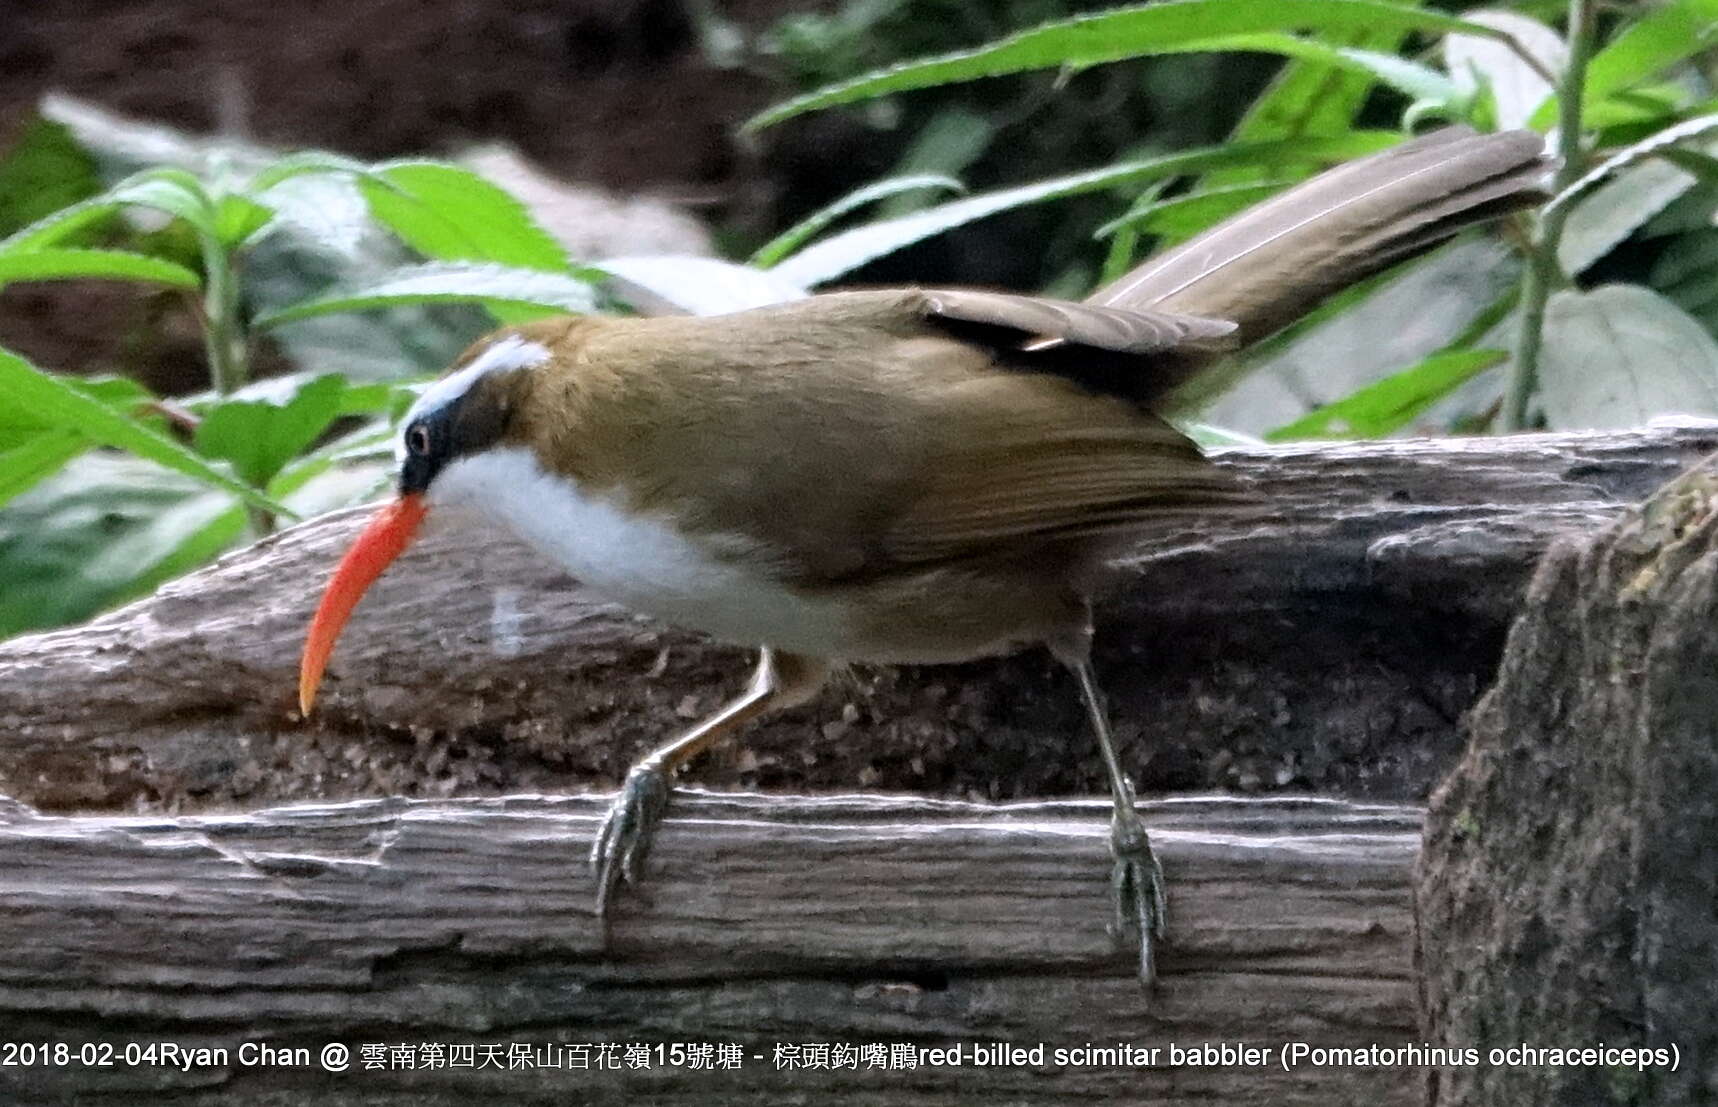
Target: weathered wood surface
column 854, row 919
column 1328, row 642
column 1568, row 893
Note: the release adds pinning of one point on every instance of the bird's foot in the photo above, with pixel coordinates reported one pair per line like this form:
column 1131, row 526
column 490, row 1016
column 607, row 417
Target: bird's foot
column 1136, row 890
column 623, row 842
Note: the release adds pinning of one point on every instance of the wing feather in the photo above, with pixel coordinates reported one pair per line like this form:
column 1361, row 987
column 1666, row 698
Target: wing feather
column 1038, row 320
column 1053, row 463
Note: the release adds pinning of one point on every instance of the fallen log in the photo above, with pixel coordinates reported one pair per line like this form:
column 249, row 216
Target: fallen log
column 389, row 926
column 1328, row 642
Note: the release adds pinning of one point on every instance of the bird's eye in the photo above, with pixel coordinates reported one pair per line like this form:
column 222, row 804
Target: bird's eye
column 418, row 440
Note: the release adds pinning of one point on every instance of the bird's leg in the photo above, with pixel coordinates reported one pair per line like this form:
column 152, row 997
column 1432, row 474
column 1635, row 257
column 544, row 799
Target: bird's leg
column 623, row 842
column 1136, row 881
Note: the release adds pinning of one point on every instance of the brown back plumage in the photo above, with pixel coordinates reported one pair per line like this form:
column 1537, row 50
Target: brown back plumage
column 863, row 435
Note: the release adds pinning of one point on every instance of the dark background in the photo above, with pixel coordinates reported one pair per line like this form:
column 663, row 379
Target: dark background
column 641, row 96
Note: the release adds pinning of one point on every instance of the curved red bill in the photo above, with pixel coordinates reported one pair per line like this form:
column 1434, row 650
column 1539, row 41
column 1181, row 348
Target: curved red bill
column 387, row 535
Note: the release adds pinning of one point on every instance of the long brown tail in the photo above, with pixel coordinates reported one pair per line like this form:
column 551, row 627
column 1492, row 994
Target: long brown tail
column 1271, row 264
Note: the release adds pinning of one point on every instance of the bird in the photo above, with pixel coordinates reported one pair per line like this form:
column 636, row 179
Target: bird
column 899, row 475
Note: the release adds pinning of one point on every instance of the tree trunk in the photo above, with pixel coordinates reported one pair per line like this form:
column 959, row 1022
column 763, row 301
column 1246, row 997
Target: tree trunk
column 1568, row 893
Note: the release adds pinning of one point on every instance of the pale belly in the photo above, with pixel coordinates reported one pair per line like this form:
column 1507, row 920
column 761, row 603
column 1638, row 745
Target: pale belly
column 644, row 563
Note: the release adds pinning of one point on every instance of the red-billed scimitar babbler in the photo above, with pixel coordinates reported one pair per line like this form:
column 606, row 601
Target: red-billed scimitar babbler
column 907, row 475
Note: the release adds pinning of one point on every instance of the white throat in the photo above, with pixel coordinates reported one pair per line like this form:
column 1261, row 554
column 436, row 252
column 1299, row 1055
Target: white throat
column 638, row 560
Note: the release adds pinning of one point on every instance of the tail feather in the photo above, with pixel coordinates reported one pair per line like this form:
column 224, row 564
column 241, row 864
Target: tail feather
column 1274, row 262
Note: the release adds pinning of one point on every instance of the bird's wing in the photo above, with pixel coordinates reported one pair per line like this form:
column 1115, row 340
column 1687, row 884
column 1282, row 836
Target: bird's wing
column 901, row 441
column 1045, row 452
column 1129, row 352
column 1025, row 323
column 1042, row 460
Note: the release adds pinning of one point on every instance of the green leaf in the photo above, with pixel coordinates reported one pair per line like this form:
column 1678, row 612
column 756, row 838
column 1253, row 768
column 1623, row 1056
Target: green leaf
column 1628, row 117
column 1616, row 209
column 1666, row 35
column 172, row 191
column 1310, row 97
column 1687, row 273
column 1396, row 401
column 75, row 544
column 1124, row 246
column 814, row 224
column 168, row 544
column 828, row 259
column 64, row 264
column 1620, row 355
column 674, row 285
column 306, row 163
column 175, row 192
column 120, row 393
column 238, row 219
column 44, row 171
column 61, row 225
column 1307, row 98
column 18, row 425
column 447, row 283
column 24, row 465
column 1211, row 437
column 1410, row 78
column 371, row 399
column 57, row 404
column 1703, row 166
column 1517, row 88
column 1642, row 151
column 1125, row 33
column 259, row 438
column 1183, row 216
column 448, row 213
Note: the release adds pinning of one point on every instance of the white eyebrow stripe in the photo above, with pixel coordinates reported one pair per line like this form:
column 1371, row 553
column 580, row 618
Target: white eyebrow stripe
column 505, row 355
column 508, row 354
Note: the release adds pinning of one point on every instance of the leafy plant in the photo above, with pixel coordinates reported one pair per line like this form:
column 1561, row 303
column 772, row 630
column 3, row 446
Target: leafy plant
column 262, row 246
column 1629, row 86
column 252, row 448
column 1599, row 312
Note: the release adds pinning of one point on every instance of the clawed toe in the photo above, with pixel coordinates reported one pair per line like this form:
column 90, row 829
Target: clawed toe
column 627, row 832
column 1136, row 893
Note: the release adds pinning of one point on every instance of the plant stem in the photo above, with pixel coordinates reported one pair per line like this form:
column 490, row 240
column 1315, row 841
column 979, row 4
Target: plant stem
column 1543, row 271
column 223, row 331
column 226, row 343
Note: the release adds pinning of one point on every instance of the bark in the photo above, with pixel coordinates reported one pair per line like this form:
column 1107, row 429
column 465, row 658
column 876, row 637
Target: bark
column 1328, row 642
column 1567, row 893
column 837, row 920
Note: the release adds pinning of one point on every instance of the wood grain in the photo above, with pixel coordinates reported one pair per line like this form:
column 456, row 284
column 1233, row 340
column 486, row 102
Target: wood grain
column 848, row 919
column 1329, row 642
